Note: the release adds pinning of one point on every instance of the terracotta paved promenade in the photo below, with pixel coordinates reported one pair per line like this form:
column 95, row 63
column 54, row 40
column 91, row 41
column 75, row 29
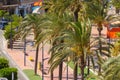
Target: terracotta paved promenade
column 18, row 56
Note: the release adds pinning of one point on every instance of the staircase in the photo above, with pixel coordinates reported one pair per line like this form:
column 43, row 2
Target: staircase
column 18, row 44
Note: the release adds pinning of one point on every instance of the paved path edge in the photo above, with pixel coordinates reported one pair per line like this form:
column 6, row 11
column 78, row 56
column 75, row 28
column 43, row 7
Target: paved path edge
column 5, row 54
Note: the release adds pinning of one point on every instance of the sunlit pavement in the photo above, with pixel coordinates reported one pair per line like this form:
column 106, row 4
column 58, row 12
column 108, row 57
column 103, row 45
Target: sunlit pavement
column 12, row 61
column 18, row 56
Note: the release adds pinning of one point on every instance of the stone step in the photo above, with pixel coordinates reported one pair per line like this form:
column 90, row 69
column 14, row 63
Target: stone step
column 18, row 42
column 18, row 45
column 18, row 48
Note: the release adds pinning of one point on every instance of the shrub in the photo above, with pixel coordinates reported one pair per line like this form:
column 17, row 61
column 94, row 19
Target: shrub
column 7, row 73
column 8, row 32
column 3, row 63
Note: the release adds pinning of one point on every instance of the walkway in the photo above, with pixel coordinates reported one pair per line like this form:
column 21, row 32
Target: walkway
column 12, row 62
column 18, row 56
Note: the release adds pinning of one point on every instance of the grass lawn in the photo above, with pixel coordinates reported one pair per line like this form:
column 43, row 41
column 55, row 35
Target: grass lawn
column 71, row 64
column 30, row 74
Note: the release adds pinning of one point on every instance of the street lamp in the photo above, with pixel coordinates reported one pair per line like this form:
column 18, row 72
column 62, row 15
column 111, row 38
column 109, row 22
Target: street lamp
column 11, row 46
column 25, row 52
column 42, row 62
column 67, row 69
column 42, row 53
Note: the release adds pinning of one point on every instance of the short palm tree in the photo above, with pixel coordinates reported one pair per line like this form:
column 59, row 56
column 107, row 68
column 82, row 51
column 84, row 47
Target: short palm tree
column 31, row 23
column 112, row 69
column 115, row 47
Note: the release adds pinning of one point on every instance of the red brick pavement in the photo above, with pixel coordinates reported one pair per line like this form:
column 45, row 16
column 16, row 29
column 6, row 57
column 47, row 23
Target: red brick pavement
column 18, row 56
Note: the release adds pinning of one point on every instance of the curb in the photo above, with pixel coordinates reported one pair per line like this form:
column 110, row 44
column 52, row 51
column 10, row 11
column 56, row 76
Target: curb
column 13, row 63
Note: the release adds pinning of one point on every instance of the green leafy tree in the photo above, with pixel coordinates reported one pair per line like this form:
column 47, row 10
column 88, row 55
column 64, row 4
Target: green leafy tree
column 11, row 28
column 3, row 14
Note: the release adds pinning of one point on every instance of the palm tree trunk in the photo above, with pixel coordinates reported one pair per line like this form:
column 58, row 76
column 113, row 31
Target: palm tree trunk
column 75, row 71
column 88, row 71
column 60, row 70
column 76, row 20
column 82, row 67
column 100, row 45
column 60, row 65
column 51, row 75
column 76, row 14
column 36, row 59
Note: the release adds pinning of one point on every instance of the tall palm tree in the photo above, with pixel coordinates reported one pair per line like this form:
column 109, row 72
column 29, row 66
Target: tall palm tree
column 60, row 6
column 96, row 10
column 31, row 23
column 53, row 25
column 76, row 43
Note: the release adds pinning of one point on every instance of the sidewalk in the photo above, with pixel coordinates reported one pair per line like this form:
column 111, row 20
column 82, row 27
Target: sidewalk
column 18, row 56
column 12, row 63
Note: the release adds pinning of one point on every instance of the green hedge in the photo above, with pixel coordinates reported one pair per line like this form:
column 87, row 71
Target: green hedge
column 7, row 73
column 3, row 63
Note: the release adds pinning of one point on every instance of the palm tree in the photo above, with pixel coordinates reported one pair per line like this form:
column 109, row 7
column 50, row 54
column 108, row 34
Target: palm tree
column 115, row 47
column 53, row 25
column 31, row 23
column 96, row 10
column 110, row 65
column 59, row 7
column 76, row 43
column 112, row 69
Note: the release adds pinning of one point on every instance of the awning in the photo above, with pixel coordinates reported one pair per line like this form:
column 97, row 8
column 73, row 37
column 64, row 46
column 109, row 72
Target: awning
column 36, row 9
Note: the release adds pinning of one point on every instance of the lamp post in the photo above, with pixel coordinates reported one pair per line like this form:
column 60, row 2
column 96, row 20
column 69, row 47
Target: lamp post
column 42, row 54
column 67, row 70
column 42, row 62
column 11, row 46
column 24, row 52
